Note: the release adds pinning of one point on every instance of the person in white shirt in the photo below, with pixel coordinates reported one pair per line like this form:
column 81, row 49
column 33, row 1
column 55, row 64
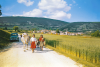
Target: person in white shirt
column 33, row 42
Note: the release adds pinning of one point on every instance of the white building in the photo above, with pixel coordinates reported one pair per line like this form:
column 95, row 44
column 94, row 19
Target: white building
column 33, row 31
column 38, row 32
column 62, row 33
column 42, row 31
column 53, row 32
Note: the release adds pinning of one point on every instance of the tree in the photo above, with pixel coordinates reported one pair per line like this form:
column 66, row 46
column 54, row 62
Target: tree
column 95, row 34
column 92, row 34
column 0, row 11
column 34, row 29
column 15, row 28
column 5, row 28
column 57, row 31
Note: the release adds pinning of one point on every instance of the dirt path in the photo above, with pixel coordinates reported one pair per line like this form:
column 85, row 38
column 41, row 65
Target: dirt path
column 16, row 57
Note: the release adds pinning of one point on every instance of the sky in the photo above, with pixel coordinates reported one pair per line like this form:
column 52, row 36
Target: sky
column 65, row 10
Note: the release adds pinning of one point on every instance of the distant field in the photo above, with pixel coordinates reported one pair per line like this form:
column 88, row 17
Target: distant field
column 81, row 42
column 76, row 41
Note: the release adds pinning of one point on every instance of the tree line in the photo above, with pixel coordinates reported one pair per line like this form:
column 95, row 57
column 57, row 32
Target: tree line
column 96, row 34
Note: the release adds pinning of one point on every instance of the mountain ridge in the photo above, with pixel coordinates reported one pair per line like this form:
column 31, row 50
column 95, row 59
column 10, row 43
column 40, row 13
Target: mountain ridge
column 46, row 23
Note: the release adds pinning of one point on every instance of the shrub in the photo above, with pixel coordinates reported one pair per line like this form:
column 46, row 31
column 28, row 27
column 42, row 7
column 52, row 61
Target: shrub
column 4, row 38
column 95, row 34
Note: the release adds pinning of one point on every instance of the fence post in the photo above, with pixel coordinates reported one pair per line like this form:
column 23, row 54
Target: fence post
column 58, row 47
column 70, row 49
column 79, row 53
column 97, row 58
column 55, row 44
column 76, row 52
column 83, row 53
column 94, row 58
column 62, row 48
column 65, row 48
column 86, row 55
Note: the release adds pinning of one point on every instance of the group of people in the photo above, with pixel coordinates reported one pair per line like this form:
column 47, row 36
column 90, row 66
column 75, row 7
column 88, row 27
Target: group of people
column 40, row 42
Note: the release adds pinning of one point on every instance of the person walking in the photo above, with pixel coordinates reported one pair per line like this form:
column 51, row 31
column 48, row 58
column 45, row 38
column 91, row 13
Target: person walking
column 33, row 42
column 41, row 39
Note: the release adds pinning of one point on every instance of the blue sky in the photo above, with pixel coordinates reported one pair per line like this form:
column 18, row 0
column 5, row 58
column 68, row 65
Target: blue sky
column 65, row 10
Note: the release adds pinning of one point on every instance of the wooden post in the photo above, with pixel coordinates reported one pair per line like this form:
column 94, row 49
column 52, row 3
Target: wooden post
column 59, row 47
column 79, row 53
column 94, row 58
column 55, row 44
column 97, row 58
column 76, row 52
column 83, row 53
column 86, row 55
column 70, row 49
column 65, row 48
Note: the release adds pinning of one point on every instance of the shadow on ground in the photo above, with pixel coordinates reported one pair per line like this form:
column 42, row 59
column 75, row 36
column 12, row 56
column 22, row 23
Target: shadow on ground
column 19, row 44
column 6, row 48
column 44, row 50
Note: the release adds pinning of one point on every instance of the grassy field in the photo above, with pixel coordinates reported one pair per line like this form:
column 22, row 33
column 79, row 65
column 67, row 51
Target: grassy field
column 85, row 48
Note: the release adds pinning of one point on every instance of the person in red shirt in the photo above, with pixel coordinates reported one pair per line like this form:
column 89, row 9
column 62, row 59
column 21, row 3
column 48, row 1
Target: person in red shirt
column 41, row 39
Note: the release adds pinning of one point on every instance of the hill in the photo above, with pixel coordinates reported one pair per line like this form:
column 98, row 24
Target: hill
column 27, row 23
column 82, row 26
column 31, row 22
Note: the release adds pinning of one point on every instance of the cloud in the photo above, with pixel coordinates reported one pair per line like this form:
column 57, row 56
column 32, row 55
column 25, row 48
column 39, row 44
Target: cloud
column 52, row 5
column 79, row 7
column 55, row 9
column 60, row 15
column 73, row 1
column 26, row 2
column 70, row 4
column 33, row 13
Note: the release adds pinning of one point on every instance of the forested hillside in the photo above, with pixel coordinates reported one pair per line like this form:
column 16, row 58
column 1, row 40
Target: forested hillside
column 27, row 23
